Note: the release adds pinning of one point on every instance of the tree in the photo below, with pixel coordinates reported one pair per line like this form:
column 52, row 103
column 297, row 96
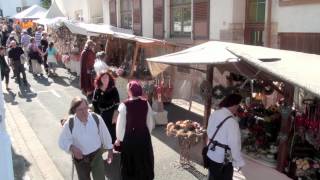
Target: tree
column 46, row 3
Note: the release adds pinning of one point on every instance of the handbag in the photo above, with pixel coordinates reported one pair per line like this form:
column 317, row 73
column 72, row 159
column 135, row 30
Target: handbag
column 205, row 149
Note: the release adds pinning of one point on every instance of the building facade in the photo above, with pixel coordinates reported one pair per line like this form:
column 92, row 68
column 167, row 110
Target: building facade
column 286, row 24
column 90, row 11
column 15, row 6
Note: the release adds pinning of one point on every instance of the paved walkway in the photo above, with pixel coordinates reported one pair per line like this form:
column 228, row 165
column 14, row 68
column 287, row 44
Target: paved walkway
column 34, row 135
column 34, row 159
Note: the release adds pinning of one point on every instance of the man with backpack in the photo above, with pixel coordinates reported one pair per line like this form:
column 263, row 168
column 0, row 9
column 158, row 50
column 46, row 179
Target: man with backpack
column 85, row 136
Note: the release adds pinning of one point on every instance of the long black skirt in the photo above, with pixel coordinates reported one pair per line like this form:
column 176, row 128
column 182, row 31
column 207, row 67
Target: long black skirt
column 137, row 160
column 107, row 118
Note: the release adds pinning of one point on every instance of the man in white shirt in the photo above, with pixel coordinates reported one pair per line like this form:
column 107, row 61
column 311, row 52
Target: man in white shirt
column 85, row 139
column 227, row 140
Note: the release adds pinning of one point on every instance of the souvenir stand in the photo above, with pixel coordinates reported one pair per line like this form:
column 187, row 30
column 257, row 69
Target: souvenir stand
column 128, row 53
column 69, row 45
column 26, row 17
column 276, row 134
column 299, row 138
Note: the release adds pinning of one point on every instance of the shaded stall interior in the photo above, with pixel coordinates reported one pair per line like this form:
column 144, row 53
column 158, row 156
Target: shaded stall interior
column 131, row 54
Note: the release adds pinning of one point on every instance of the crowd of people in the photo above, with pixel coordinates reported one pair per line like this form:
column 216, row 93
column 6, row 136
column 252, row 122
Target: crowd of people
column 122, row 126
column 101, row 122
column 23, row 46
column 126, row 127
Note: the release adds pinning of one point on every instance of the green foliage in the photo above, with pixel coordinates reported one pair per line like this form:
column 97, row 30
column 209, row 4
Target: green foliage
column 46, row 3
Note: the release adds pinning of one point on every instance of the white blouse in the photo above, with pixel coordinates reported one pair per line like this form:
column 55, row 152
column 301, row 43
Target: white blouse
column 86, row 137
column 229, row 134
column 122, row 121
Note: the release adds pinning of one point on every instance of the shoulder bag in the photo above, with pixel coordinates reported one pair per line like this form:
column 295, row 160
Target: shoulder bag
column 205, row 149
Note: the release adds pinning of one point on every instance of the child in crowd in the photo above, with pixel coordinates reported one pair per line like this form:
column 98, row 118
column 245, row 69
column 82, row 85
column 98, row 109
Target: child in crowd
column 52, row 61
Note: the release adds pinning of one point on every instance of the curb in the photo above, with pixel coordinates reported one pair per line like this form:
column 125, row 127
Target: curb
column 29, row 145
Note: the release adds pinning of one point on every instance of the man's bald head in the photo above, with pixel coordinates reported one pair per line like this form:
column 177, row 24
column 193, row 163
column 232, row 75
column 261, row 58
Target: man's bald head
column 13, row 44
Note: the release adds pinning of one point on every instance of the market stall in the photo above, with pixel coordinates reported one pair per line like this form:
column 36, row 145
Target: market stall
column 274, row 135
column 26, row 17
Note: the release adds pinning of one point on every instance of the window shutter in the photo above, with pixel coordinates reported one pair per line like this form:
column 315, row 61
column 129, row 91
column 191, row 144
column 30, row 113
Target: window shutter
column 158, row 19
column 201, row 13
column 113, row 12
column 302, row 42
column 137, row 18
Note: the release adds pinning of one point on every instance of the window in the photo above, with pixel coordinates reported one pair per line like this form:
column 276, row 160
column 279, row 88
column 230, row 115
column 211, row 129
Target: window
column 256, row 11
column 126, row 13
column 181, row 25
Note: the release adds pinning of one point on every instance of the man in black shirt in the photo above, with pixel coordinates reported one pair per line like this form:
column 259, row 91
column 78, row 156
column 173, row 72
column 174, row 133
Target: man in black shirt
column 44, row 46
column 14, row 54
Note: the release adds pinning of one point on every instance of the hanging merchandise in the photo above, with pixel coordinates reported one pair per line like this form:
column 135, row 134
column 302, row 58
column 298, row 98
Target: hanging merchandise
column 260, row 129
column 126, row 64
column 163, row 89
column 205, row 90
column 218, row 92
column 305, row 143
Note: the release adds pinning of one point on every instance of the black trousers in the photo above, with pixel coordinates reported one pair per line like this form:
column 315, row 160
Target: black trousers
column 45, row 63
column 218, row 171
column 19, row 68
column 6, row 76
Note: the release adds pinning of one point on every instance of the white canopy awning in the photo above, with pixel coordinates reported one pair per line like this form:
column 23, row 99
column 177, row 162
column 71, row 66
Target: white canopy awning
column 76, row 28
column 212, row 52
column 33, row 12
column 50, row 21
column 54, row 11
column 300, row 69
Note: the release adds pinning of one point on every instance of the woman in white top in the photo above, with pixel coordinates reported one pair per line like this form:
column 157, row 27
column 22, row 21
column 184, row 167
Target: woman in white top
column 225, row 151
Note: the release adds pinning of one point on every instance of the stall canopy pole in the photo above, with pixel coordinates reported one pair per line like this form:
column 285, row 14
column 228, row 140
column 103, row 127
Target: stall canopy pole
column 283, row 148
column 208, row 101
column 134, row 60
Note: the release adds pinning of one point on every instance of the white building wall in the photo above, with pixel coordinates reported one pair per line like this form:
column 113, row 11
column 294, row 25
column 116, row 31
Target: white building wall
column 167, row 19
column 95, row 11
column 71, row 6
column 220, row 16
column 29, row 2
column 9, row 9
column 297, row 18
column 147, row 18
column 226, row 15
column 106, row 11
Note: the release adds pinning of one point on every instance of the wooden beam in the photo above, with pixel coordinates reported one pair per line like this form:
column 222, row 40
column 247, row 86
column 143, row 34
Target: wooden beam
column 208, row 101
column 134, row 60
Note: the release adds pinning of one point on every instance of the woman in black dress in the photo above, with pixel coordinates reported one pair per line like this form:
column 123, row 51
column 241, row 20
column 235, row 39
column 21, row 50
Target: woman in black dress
column 134, row 126
column 106, row 101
